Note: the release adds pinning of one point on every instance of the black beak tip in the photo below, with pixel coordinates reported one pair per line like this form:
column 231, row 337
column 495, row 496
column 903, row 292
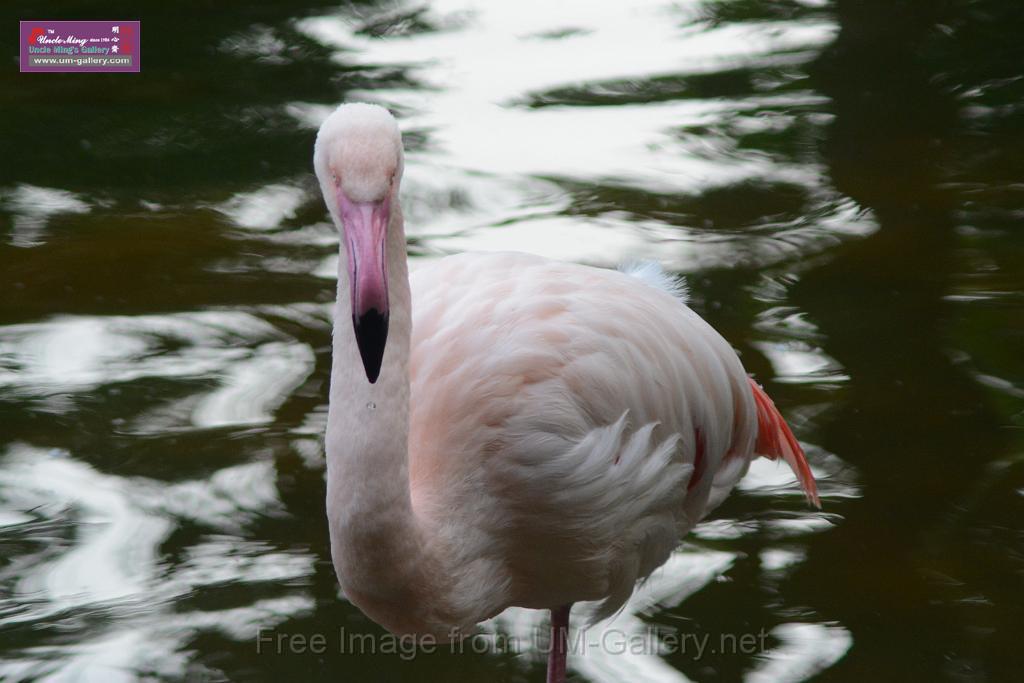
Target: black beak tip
column 371, row 330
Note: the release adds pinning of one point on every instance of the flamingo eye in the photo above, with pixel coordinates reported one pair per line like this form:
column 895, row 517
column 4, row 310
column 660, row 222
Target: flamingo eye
column 334, row 177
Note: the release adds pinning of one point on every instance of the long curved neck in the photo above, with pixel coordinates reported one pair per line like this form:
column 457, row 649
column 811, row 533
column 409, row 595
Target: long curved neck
column 376, row 543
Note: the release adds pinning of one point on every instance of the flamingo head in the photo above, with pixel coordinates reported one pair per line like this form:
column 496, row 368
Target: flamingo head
column 358, row 160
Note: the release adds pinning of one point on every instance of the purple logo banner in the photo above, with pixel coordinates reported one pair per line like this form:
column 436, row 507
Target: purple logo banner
column 74, row 46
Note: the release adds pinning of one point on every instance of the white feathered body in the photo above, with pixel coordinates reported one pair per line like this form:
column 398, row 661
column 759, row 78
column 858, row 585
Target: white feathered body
column 556, row 415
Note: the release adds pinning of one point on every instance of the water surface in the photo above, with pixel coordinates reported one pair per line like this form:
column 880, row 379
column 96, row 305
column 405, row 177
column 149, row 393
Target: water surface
column 838, row 181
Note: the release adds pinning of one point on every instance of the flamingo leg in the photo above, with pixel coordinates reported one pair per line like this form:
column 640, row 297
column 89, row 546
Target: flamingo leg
column 559, row 644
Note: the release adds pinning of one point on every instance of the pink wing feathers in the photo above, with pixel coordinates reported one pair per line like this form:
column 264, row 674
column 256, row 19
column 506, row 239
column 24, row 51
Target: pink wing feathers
column 775, row 440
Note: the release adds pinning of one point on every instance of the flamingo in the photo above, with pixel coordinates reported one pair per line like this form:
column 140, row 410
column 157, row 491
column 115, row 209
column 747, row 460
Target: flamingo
column 506, row 430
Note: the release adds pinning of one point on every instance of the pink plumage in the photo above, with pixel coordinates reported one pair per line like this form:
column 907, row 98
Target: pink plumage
column 776, row 440
column 539, row 433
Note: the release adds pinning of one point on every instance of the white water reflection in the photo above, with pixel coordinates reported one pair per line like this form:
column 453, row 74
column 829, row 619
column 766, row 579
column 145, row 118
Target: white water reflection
column 264, row 208
column 109, row 568
column 559, row 237
column 255, row 387
column 113, row 555
column 256, row 367
column 806, row 650
column 225, row 500
column 799, row 362
column 795, row 349
column 33, row 207
column 495, row 52
column 507, row 162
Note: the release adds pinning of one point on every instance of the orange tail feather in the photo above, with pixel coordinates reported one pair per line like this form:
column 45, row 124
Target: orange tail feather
column 775, row 440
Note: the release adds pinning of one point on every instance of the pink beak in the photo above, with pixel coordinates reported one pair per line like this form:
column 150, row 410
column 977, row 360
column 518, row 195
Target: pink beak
column 365, row 226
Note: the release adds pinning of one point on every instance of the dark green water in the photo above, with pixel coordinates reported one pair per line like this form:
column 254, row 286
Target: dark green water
column 840, row 182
